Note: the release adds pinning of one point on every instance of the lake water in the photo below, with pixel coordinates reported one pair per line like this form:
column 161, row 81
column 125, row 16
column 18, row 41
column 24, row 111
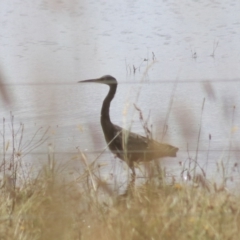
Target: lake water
column 182, row 51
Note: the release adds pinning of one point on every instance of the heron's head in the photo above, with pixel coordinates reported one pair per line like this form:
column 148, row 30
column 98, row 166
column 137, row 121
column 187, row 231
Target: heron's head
column 106, row 79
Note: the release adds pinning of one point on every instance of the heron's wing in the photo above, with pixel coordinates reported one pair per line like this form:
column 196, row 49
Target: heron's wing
column 133, row 141
column 140, row 148
column 159, row 150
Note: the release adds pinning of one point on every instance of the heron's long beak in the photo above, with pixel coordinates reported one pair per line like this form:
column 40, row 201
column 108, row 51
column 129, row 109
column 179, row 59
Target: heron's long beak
column 96, row 80
column 108, row 80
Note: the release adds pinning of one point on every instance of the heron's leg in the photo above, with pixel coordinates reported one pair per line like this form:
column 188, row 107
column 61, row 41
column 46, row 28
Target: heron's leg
column 130, row 187
column 133, row 171
column 133, row 174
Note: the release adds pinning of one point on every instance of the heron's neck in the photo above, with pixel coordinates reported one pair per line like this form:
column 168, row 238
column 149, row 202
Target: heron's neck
column 107, row 101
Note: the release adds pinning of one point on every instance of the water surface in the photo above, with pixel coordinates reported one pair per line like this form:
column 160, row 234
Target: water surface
column 182, row 51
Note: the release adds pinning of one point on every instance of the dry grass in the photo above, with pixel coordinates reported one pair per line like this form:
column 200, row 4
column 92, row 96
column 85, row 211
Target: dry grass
column 50, row 208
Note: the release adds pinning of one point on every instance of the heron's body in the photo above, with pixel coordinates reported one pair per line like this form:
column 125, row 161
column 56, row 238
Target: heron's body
column 128, row 146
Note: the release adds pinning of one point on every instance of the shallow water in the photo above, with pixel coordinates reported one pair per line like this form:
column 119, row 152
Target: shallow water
column 184, row 51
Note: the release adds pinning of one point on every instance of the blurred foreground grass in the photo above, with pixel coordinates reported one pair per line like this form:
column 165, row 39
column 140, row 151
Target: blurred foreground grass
column 48, row 207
